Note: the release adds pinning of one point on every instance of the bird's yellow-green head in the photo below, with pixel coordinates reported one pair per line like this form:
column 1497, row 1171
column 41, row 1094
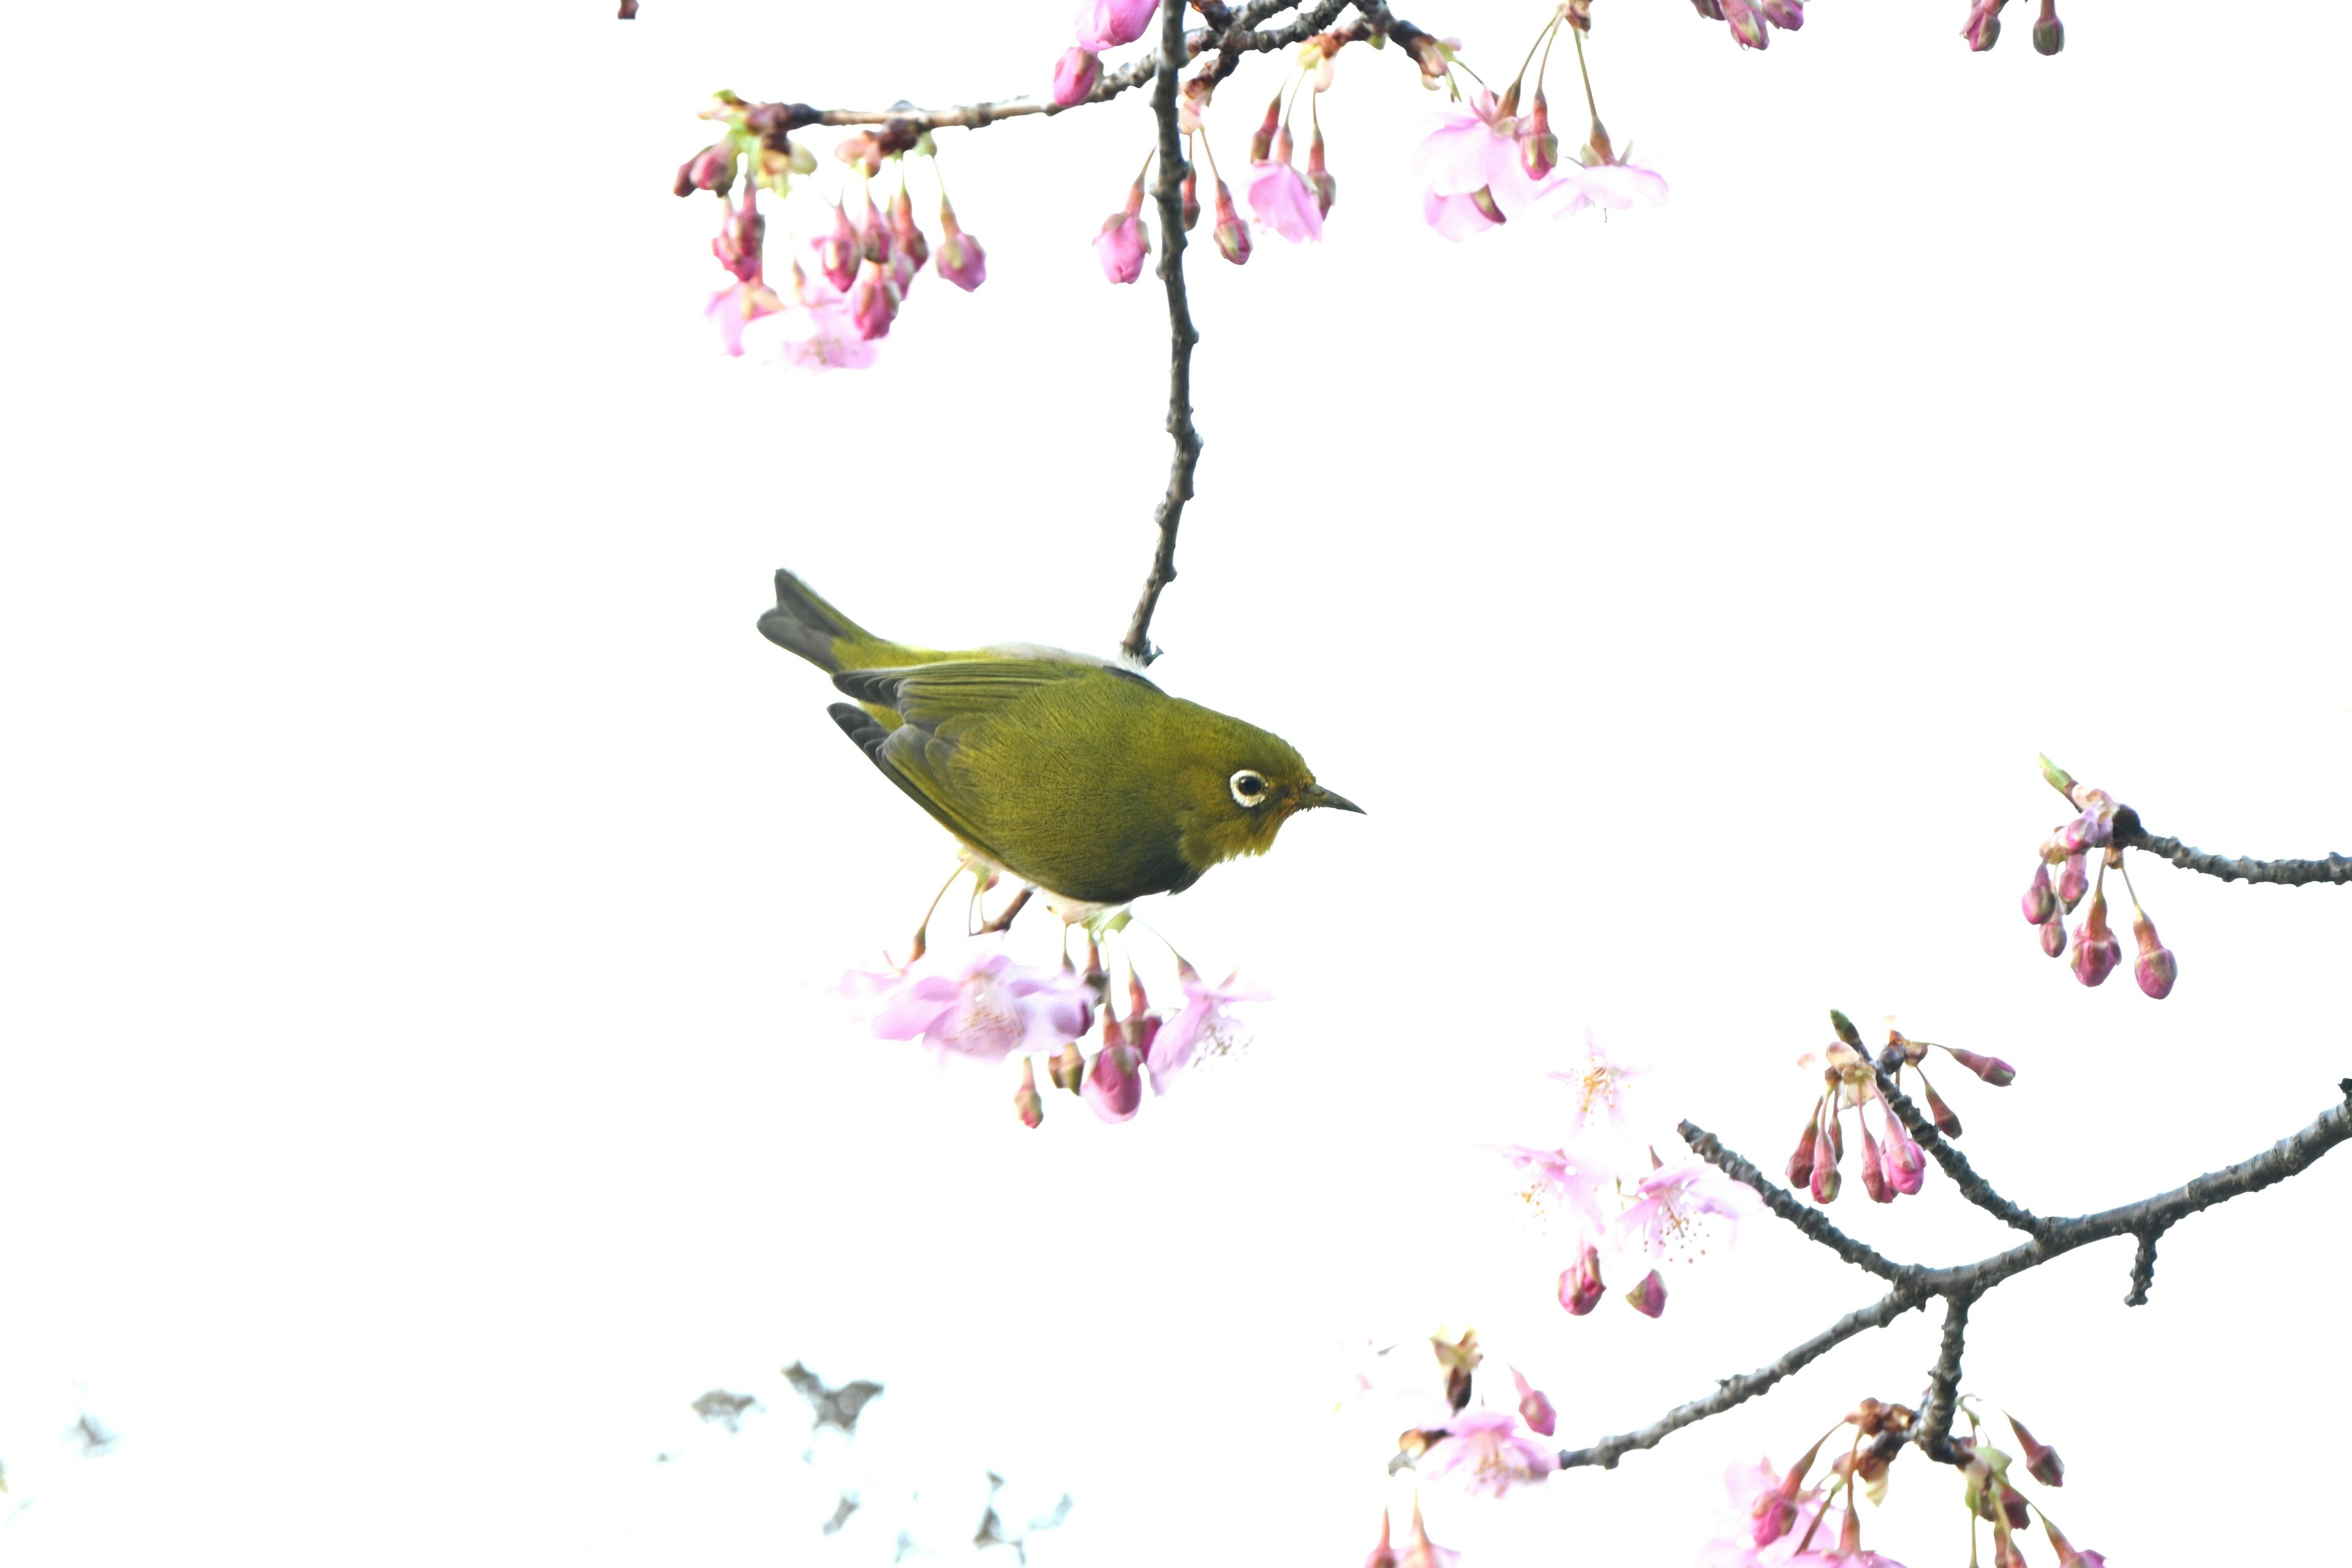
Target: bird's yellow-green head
column 1075, row 773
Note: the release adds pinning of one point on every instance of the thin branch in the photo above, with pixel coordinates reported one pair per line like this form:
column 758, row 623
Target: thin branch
column 1959, row 1287
column 1243, row 37
column 1935, row 1434
column 2131, row 833
column 1804, row 1217
column 2142, row 1268
column 1170, row 191
column 1738, row 1390
column 1973, row 1187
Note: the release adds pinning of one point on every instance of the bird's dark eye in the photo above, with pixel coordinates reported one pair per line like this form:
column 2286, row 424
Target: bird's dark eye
column 1249, row 786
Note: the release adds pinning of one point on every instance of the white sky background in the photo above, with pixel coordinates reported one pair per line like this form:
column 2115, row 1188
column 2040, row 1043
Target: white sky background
column 424, row 885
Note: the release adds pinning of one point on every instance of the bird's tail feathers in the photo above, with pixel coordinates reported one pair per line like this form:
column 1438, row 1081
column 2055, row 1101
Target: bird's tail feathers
column 813, row 629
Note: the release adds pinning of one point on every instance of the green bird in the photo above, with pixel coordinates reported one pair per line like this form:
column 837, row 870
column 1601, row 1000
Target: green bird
column 1073, row 773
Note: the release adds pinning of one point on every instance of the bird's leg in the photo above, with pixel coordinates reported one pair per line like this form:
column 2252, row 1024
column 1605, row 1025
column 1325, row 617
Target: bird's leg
column 1004, row 921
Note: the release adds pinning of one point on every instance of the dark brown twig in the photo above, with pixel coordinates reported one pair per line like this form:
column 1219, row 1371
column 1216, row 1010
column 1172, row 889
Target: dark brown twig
column 1935, row 1434
column 1959, row 1287
column 1170, row 193
column 2131, row 833
column 1973, row 1187
column 2143, row 1267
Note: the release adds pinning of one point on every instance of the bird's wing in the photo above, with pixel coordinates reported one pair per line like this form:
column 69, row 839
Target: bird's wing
column 940, row 707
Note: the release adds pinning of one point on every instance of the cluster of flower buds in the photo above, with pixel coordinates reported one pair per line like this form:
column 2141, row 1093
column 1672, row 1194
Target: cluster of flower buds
column 1100, row 25
column 864, row 266
column 1982, row 30
column 1419, row 1553
column 1484, row 1452
column 1492, row 164
column 974, row 1001
column 1748, row 18
column 1892, row 1165
column 1776, row 1517
column 2097, row 952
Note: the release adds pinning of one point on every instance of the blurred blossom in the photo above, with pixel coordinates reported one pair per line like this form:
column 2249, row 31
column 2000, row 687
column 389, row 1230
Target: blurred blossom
column 1487, row 1451
column 1106, row 24
column 1764, row 1518
column 974, row 1001
column 1476, row 149
column 1076, row 76
column 1559, row 1183
column 1205, row 1027
column 730, row 309
column 1279, row 198
column 1599, row 1087
column 1681, row 1211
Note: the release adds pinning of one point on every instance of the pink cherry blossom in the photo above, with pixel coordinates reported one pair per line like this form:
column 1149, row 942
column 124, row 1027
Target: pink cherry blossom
column 1559, row 1183
column 1840, row 1558
column 978, row 1003
column 1204, row 1029
column 1281, row 199
column 1487, row 1451
column 1106, row 24
column 1683, row 1211
column 1455, row 217
column 1477, row 150
column 1121, row 245
column 1759, row 1501
column 813, row 331
column 1600, row 1084
column 1617, row 185
column 1076, row 76
column 730, row 309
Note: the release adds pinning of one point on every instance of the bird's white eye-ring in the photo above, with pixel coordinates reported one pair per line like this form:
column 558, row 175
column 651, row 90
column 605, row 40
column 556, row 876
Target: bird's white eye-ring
column 1249, row 787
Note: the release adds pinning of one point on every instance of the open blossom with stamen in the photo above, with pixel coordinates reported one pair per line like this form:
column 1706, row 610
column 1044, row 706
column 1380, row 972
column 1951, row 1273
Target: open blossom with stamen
column 976, row 1002
column 1599, row 1085
column 1559, row 1183
column 1487, row 1451
column 813, row 331
column 1683, row 1210
column 1205, row 1027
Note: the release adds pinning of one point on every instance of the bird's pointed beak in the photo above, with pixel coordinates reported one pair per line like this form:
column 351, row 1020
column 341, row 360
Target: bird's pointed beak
column 1315, row 795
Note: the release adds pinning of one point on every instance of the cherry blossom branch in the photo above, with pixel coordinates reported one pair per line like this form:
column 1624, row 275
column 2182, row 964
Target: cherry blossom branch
column 1227, row 44
column 2131, row 833
column 1959, row 1287
column 1732, row 1391
column 1973, row 1187
column 1181, row 336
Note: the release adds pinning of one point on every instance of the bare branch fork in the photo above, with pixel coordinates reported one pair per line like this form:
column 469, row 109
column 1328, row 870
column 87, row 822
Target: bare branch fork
column 1913, row 1284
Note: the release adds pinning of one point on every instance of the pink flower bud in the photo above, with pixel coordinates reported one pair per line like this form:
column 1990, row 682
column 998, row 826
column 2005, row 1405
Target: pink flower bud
column 1190, row 189
column 2070, row 1556
column 1233, row 239
column 1874, row 1174
column 2156, row 969
column 962, row 260
column 2073, row 882
column 1906, row 1162
column 1746, row 25
column 1383, row 1555
column 1122, row 244
column 1580, row 1284
column 2048, row 32
column 2096, row 950
column 2054, row 934
column 1534, row 1408
column 1025, row 1102
column 837, row 253
column 1068, row 1070
column 1800, row 1164
column 1648, row 1298
column 2040, row 902
column 1983, row 30
column 873, row 237
column 1992, row 1069
column 1106, row 24
column 1825, row 1181
column 1076, row 76
column 1787, row 14
column 1327, row 189
column 1262, row 139
column 1947, row 1123
column 873, row 302
column 1114, row 1086
column 1538, row 148
column 739, row 242
column 1190, row 102
column 908, row 238
column 2042, row 1460
column 712, row 169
